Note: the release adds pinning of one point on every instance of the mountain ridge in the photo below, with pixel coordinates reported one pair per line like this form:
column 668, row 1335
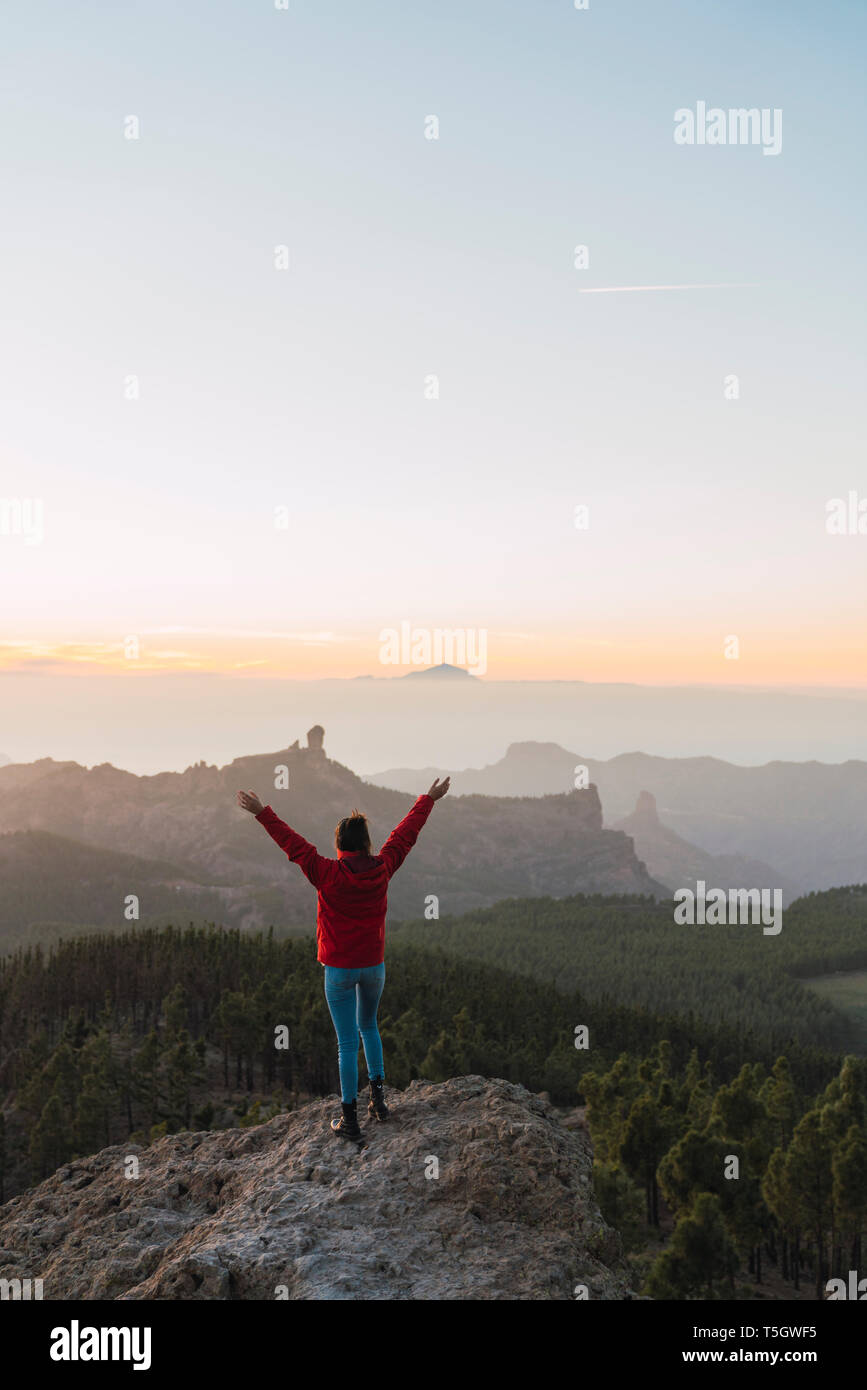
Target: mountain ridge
column 473, row 850
column 807, row 820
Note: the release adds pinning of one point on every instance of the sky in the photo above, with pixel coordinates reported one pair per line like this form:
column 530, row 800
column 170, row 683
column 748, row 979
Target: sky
column 243, row 470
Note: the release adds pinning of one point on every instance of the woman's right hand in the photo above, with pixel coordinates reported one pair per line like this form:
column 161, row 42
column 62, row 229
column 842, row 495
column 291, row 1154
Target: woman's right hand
column 250, row 802
column 439, row 788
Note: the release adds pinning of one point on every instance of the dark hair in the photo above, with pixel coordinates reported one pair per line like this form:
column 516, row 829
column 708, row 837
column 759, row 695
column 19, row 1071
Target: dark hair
column 352, row 833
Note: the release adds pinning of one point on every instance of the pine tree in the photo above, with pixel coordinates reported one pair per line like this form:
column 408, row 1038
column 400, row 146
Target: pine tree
column 49, row 1145
column 700, row 1255
column 849, row 1189
column 147, row 1082
column 809, row 1179
column 648, row 1134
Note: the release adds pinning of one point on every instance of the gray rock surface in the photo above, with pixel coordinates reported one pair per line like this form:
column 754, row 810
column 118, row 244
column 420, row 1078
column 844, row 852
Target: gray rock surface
column 288, row 1210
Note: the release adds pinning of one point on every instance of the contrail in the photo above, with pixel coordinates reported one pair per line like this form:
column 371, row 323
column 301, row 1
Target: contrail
column 641, row 289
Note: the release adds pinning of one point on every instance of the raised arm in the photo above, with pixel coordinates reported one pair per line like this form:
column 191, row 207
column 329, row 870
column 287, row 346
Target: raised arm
column 300, row 851
column 404, row 836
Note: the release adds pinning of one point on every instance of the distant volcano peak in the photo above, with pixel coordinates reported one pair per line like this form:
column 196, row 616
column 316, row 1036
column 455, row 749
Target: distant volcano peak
column 442, row 672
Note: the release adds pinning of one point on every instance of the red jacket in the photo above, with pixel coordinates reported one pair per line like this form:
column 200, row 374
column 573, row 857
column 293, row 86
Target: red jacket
column 353, row 888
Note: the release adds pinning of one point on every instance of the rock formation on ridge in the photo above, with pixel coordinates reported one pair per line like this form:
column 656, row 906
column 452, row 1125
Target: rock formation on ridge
column 288, row 1210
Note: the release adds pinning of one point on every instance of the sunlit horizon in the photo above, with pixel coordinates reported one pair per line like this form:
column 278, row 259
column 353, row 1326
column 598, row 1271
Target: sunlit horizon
column 764, row 660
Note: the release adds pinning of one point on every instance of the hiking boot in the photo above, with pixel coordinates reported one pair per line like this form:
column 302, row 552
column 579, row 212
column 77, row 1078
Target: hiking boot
column 377, row 1108
column 347, row 1125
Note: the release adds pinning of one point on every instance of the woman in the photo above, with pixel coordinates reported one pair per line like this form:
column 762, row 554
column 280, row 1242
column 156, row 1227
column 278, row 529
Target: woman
column 350, row 933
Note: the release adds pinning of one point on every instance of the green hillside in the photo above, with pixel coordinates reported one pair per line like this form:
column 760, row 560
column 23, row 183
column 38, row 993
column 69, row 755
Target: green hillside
column 53, row 885
column 846, row 991
column 630, row 951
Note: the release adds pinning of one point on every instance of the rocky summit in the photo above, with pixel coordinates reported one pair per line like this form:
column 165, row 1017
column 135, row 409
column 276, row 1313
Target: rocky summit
column 473, row 1189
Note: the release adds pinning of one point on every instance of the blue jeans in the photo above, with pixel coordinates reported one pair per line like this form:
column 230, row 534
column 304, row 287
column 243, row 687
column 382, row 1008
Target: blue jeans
column 353, row 998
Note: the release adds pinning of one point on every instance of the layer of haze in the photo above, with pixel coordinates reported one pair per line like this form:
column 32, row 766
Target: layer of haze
column 151, row 723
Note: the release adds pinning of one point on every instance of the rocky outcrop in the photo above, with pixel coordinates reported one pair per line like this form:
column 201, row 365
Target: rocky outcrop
column 645, row 814
column 680, row 864
column 472, row 1190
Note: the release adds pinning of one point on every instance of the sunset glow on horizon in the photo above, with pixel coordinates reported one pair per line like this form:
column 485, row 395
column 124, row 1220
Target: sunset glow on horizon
column 636, row 657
